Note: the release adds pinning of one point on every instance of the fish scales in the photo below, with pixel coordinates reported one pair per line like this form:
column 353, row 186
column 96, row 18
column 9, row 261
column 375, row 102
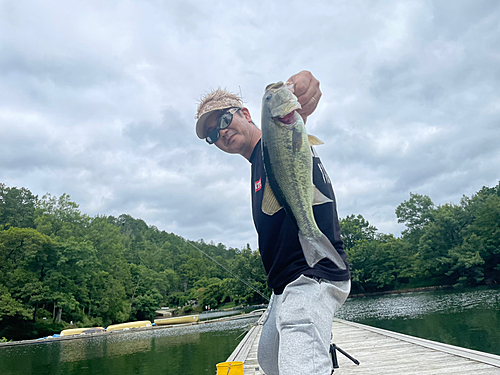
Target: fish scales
column 292, row 169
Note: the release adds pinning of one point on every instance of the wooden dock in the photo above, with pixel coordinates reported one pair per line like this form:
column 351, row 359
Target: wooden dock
column 384, row 352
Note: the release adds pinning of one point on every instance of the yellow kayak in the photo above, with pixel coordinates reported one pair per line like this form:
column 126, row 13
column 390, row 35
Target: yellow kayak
column 78, row 331
column 177, row 320
column 129, row 325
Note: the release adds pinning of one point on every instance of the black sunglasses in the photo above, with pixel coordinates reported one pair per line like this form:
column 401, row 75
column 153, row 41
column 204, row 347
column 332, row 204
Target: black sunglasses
column 223, row 121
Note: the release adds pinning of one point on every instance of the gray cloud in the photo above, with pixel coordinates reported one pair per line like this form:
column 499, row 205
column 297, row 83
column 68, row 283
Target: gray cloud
column 97, row 101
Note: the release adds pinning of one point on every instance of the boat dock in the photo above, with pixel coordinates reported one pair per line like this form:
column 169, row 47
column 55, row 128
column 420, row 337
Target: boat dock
column 384, row 352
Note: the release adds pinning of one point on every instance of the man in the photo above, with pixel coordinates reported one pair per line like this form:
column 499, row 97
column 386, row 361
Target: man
column 296, row 335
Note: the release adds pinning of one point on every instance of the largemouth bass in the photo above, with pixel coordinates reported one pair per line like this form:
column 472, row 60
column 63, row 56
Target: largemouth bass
column 286, row 149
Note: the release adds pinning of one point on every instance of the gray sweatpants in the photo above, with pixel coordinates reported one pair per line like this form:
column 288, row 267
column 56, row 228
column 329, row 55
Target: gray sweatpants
column 295, row 338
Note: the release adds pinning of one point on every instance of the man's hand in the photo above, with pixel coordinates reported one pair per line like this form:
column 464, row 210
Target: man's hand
column 306, row 89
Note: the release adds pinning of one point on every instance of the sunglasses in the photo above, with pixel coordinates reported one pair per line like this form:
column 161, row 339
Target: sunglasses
column 223, row 121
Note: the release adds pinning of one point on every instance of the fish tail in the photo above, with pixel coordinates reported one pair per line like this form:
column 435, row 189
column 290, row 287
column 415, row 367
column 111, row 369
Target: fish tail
column 319, row 247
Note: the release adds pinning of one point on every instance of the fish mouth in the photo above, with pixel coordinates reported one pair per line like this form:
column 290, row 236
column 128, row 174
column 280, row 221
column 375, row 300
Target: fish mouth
column 285, row 112
column 287, row 119
column 281, row 101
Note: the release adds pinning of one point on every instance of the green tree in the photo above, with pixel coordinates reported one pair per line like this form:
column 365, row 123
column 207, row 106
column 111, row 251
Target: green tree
column 467, row 265
column 112, row 286
column 415, row 213
column 17, row 207
column 26, row 258
column 211, row 294
column 437, row 239
column 354, row 229
column 11, row 307
column 380, row 264
column 60, row 217
column 76, row 266
column 248, row 266
column 146, row 304
column 486, row 228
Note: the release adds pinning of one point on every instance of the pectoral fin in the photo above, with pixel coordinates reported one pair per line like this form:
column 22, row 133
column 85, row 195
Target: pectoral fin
column 319, row 197
column 270, row 204
column 313, row 141
column 296, row 140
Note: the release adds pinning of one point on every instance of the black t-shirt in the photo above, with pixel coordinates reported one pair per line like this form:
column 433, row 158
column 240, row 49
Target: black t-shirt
column 279, row 244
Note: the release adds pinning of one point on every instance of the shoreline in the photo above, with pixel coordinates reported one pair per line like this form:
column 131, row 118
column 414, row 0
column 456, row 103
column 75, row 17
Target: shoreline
column 49, row 339
column 401, row 291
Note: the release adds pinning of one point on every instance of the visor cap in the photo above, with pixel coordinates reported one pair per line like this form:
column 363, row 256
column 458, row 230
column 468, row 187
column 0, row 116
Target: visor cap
column 215, row 100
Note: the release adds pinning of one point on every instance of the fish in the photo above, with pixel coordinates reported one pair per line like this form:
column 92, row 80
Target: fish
column 286, row 150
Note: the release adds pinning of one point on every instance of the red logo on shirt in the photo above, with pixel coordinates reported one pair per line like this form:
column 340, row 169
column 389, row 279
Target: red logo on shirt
column 258, row 185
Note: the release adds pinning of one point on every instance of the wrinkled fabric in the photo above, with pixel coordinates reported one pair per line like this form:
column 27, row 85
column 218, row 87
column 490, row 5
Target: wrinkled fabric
column 296, row 334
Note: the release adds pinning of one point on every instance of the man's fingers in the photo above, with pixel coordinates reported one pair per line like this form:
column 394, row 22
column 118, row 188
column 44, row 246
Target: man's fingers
column 311, row 104
column 306, row 89
column 309, row 107
column 301, row 82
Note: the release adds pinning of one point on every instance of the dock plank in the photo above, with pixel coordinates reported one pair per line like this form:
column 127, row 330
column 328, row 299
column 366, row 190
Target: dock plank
column 385, row 352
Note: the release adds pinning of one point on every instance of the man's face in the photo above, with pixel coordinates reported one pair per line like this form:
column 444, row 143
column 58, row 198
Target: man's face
column 236, row 137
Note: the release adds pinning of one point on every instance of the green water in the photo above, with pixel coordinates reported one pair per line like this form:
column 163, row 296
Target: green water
column 183, row 350
column 467, row 318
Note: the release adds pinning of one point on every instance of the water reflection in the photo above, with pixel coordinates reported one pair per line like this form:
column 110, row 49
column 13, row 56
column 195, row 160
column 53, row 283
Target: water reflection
column 120, row 344
column 415, row 305
column 127, row 346
column 78, row 350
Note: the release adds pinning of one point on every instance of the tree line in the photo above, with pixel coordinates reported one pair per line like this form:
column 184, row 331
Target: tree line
column 59, row 265
column 450, row 244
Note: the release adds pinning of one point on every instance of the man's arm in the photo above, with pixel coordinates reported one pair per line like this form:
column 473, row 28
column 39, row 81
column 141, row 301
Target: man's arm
column 306, row 89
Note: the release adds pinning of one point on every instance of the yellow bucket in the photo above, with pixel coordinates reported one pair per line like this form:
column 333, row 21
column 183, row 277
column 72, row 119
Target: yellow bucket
column 230, row 368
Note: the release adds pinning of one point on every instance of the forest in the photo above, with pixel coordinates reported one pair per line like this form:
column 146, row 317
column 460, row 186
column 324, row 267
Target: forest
column 60, row 266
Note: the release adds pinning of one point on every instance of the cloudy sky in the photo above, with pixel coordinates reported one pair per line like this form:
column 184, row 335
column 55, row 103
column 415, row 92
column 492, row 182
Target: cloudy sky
column 97, row 100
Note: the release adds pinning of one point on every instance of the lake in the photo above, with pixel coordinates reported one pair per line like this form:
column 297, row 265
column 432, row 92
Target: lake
column 468, row 318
